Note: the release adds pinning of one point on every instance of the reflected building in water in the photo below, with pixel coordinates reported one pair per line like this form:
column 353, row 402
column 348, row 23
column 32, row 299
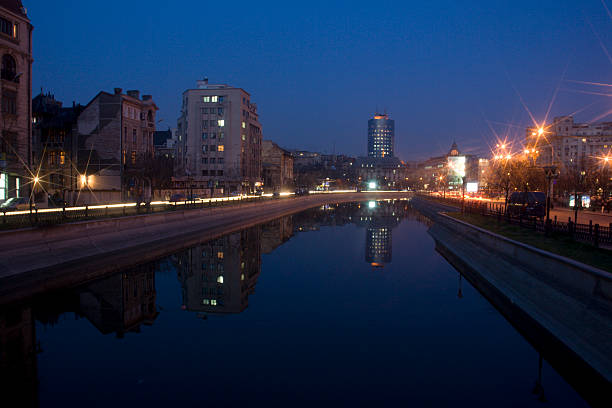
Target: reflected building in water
column 379, row 219
column 121, row 303
column 219, row 276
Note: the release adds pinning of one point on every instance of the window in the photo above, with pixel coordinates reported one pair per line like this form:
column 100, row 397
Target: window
column 219, row 111
column 204, row 160
column 204, row 148
column 221, row 148
column 133, row 157
column 62, row 158
column 204, row 110
column 221, row 99
column 221, row 122
column 213, row 135
column 205, row 172
column 204, row 124
column 220, row 160
column 9, row 67
column 9, row 102
column 204, row 136
column 212, row 160
column 220, row 279
column 244, row 125
column 214, row 99
column 133, row 136
column 219, row 172
column 206, row 99
column 243, row 136
column 212, row 148
column 221, row 135
column 7, row 27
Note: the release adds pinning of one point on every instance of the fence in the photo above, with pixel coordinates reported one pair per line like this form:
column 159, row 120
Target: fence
column 590, row 233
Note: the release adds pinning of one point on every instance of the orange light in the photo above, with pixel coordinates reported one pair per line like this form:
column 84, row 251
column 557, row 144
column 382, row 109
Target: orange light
column 541, row 131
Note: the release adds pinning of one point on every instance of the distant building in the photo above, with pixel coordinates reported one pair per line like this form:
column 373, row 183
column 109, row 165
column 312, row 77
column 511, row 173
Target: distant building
column 165, row 143
column 54, row 145
column 386, row 173
column 566, row 144
column 304, row 158
column 449, row 172
column 219, row 139
column 381, row 136
column 16, row 98
column 277, row 166
column 115, row 139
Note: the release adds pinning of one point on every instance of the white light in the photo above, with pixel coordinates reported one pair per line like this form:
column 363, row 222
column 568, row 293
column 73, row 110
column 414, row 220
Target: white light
column 372, row 204
column 471, row 187
column 372, row 185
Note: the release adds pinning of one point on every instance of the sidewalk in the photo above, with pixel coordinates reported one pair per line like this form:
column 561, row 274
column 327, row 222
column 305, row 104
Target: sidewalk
column 562, row 214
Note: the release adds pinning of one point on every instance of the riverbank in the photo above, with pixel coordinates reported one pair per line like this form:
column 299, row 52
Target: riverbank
column 551, row 297
column 39, row 259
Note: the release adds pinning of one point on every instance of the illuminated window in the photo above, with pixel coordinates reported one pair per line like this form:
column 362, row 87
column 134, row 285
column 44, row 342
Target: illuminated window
column 213, row 302
column 220, row 255
column 133, row 157
column 214, row 98
column 244, row 138
column 220, row 279
column 242, row 277
column 205, row 302
column 244, row 125
column 221, row 122
column 206, row 99
column 221, row 148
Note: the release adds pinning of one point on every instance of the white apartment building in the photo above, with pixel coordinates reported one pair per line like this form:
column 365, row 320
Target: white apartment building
column 219, row 139
column 565, row 143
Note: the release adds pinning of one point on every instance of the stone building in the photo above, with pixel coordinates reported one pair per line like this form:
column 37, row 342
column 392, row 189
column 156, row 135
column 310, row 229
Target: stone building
column 277, row 167
column 387, row 173
column 219, row 139
column 54, row 145
column 16, row 98
column 115, row 142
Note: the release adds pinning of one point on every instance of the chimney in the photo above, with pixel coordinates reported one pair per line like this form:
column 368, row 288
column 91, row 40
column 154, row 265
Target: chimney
column 118, row 91
column 147, row 97
column 134, row 94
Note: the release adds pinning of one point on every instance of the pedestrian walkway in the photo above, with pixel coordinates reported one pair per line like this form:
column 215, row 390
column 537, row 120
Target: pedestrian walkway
column 584, row 216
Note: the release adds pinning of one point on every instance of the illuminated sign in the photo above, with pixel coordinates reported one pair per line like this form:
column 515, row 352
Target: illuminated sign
column 471, row 187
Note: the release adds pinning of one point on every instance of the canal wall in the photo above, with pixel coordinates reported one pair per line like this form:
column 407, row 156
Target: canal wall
column 551, row 299
column 36, row 260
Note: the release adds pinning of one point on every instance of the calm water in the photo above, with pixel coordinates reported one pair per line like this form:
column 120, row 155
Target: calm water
column 345, row 305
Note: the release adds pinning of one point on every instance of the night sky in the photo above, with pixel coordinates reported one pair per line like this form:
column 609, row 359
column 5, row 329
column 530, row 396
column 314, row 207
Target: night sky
column 319, row 70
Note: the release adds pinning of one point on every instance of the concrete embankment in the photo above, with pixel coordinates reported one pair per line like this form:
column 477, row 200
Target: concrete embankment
column 561, row 306
column 40, row 259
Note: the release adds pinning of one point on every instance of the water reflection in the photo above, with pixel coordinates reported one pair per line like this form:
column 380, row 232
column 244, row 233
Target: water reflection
column 217, row 278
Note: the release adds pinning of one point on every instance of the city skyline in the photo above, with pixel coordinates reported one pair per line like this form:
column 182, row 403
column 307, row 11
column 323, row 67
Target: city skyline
column 439, row 57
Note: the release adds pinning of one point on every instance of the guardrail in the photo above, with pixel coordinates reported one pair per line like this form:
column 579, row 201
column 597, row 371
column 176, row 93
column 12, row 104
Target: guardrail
column 590, row 233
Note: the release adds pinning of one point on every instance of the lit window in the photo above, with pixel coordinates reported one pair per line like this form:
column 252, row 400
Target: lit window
column 244, row 137
column 221, row 122
column 244, row 125
column 205, row 302
column 62, row 158
column 206, row 99
column 220, row 255
column 221, row 148
column 213, row 302
column 220, row 279
column 214, row 98
column 242, row 276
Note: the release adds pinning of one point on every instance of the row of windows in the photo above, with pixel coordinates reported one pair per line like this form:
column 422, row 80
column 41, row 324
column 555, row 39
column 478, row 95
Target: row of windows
column 212, row 172
column 213, row 123
column 212, row 111
column 207, row 135
column 213, row 160
column 213, row 148
column 212, row 99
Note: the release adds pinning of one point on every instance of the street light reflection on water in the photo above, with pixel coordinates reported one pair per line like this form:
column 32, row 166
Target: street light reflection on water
column 323, row 307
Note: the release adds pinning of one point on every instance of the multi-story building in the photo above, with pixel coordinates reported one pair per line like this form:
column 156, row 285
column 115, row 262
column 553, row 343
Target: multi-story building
column 164, row 143
column 565, row 143
column 277, row 167
column 385, row 173
column 219, row 139
column 16, row 97
column 115, row 141
column 54, row 145
column 381, row 136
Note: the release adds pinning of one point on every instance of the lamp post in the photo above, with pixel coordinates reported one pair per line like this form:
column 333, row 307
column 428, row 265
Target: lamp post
column 551, row 173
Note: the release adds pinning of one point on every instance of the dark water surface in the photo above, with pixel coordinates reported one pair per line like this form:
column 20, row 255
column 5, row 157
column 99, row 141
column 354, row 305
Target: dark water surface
column 344, row 305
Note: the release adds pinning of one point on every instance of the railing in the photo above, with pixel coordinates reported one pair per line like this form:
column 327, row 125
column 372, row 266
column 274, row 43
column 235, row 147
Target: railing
column 590, row 233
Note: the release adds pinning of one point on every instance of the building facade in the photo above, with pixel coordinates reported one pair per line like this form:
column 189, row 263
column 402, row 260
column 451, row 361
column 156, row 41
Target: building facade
column 54, row 146
column 565, row 143
column 381, row 136
column 277, row 167
column 115, row 142
column 388, row 173
column 16, row 97
column 219, row 139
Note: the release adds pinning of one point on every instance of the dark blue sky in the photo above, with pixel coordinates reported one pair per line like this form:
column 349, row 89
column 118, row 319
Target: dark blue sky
column 318, row 70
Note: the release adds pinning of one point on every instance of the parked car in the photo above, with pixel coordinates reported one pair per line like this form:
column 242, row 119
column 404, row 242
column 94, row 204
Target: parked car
column 276, row 194
column 301, row 191
column 527, row 204
column 178, row 197
column 15, row 204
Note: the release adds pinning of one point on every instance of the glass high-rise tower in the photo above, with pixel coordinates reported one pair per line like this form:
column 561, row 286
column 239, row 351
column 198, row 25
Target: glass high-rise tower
column 381, row 136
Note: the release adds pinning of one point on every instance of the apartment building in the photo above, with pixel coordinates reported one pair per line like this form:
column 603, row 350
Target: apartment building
column 219, row 139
